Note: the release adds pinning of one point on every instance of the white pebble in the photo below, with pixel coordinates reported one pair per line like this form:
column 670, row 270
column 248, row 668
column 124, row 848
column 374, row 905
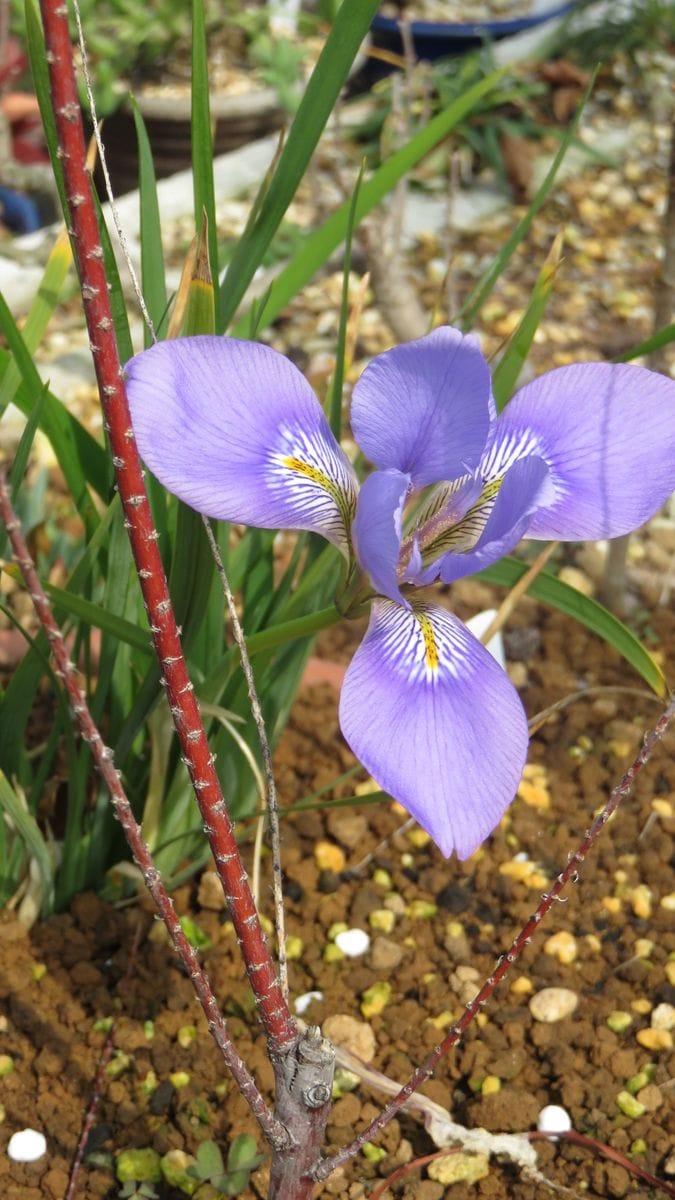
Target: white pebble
column 27, row 1145
column 554, row 1119
column 353, row 942
column 303, row 1002
column 553, row 1004
column 663, row 1017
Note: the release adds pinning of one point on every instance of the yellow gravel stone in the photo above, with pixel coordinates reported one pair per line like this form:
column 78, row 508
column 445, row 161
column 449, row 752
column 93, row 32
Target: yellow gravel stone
column 382, row 919
column 611, row 903
column 375, row 999
column 668, row 902
column 670, row 972
column 522, row 986
column 641, row 901
column 329, row 857
column 491, row 1085
column 533, row 787
column 459, row 1168
column 663, row 808
column 643, row 947
column 655, row 1039
column 562, row 945
column 418, row 838
column 642, row 1006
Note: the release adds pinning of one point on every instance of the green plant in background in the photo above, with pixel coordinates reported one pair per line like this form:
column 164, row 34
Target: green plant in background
column 230, row 1180
column 284, row 591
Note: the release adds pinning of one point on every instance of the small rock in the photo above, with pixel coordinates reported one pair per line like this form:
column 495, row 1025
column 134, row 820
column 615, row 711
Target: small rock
column 577, row 579
column 651, row 1097
column 303, row 1002
column 655, row 1039
column 554, row 1119
column 329, row 857
column 27, row 1145
column 459, row 1168
column 350, row 1034
column 553, row 1004
column 562, row 945
column 349, row 829
column 353, row 942
column 385, row 955
column 669, row 1165
column 210, row 893
column 663, row 1017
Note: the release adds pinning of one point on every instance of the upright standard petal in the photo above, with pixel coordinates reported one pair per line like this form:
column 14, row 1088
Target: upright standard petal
column 424, row 408
column 607, row 433
column 235, row 430
column 436, row 722
column 377, row 529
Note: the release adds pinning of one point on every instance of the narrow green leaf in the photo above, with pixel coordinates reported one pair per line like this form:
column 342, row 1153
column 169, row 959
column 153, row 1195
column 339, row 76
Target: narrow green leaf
column 335, row 398
column 97, row 617
column 40, row 313
column 320, row 245
column 350, row 27
column 202, row 138
column 28, row 830
column 65, row 450
column 505, row 375
column 35, row 44
column 663, row 337
column 66, row 434
column 153, row 279
column 552, row 591
column 485, row 285
column 25, row 445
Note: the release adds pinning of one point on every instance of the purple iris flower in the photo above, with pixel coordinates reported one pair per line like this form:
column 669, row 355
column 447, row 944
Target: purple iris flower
column 585, row 451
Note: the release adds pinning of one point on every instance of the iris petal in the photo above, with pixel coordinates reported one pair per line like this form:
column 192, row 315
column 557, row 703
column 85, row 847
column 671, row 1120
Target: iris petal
column 424, row 408
column 235, row 430
column 607, row 433
column 377, row 528
column 525, row 486
column 436, row 721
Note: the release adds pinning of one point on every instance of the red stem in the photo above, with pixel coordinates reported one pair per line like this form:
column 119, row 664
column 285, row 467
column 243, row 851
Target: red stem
column 506, row 961
column 103, row 758
column 88, row 255
column 582, row 1139
column 570, row 1135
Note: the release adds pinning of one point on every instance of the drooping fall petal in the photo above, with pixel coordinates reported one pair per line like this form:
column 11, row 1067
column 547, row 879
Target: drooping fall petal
column 436, row 721
column 424, row 408
column 235, row 430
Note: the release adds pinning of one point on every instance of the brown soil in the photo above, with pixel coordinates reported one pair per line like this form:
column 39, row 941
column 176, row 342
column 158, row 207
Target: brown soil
column 50, row 1020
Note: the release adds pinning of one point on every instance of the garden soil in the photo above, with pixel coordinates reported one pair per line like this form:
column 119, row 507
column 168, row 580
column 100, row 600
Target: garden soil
column 445, row 923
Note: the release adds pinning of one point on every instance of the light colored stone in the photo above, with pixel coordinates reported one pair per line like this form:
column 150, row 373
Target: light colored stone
column 554, row 1119
column 349, row 829
column 663, row 1017
column 385, row 955
column 353, row 942
column 210, row 893
column 459, row 1168
column 349, row 1034
column 27, row 1145
column 553, row 1004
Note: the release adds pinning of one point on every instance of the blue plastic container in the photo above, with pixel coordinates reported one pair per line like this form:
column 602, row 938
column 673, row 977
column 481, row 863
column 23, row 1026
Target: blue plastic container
column 440, row 39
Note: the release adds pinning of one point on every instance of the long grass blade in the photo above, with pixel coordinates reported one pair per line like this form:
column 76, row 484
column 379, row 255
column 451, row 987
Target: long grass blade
column 552, row 591
column 505, row 375
column 351, row 25
column 320, row 245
